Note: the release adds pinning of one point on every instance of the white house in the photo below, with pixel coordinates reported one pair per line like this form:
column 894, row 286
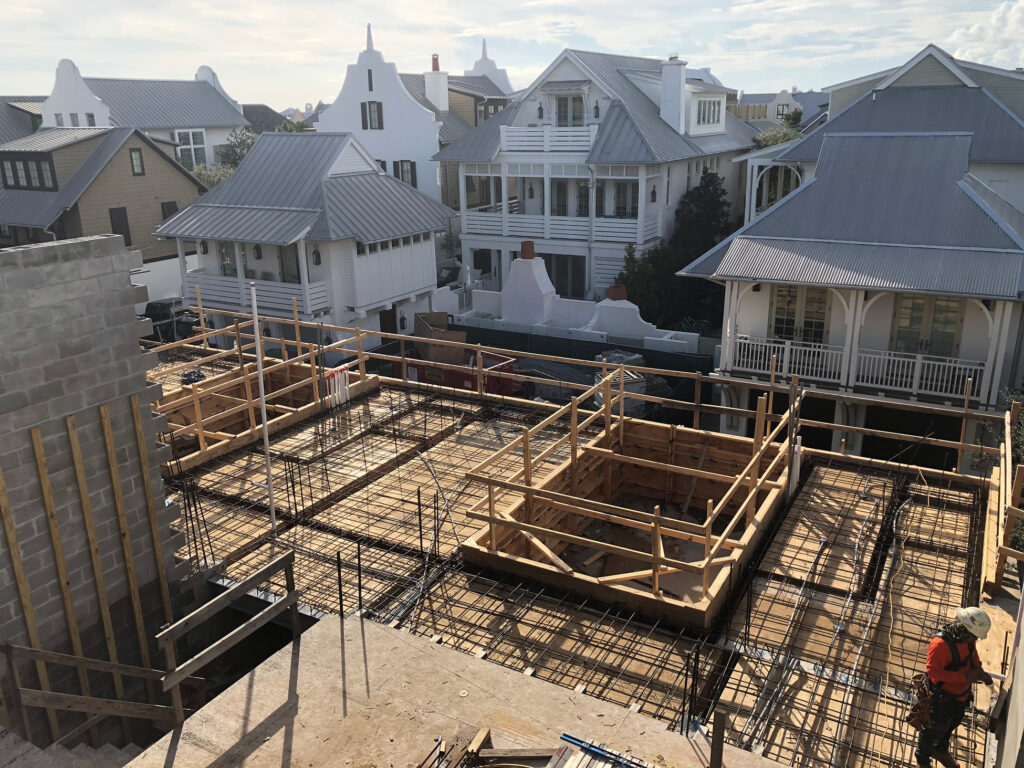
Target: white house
column 197, row 115
column 773, row 108
column 312, row 217
column 593, row 156
column 897, row 266
column 404, row 119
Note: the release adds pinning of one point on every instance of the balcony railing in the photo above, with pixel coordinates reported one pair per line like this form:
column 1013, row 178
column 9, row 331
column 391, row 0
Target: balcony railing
column 559, row 227
column 547, row 138
column 820, row 362
column 225, row 293
column 925, row 374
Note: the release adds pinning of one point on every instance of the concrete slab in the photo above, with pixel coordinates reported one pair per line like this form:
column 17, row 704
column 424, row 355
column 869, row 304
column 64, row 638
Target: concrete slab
column 382, row 697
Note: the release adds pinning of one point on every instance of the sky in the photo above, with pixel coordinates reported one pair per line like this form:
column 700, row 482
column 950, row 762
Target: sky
column 287, row 54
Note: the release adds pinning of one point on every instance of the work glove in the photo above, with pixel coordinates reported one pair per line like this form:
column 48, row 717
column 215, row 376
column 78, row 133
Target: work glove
column 978, row 676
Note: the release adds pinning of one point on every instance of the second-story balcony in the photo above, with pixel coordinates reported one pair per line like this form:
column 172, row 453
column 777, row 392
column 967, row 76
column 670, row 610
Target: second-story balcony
column 273, row 297
column 492, row 220
column 547, row 138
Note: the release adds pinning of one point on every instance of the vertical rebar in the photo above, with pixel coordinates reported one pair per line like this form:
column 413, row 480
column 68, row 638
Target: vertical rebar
column 419, row 518
column 341, row 593
column 359, row 574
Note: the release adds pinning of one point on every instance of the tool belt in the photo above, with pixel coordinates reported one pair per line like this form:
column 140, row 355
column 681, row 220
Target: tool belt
column 920, row 715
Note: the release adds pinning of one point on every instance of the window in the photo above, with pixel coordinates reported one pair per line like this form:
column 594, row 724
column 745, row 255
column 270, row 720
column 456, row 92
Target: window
column 372, row 248
column 90, row 119
column 5, row 232
column 28, row 173
column 781, row 110
column 426, row 237
column 568, row 111
column 58, row 119
column 47, row 172
column 74, row 119
column 191, row 148
column 799, row 313
column 416, row 238
column 709, row 111
column 19, row 169
column 138, row 169
column 627, row 195
column 383, row 165
column 33, row 174
column 289, row 258
column 568, row 273
column 599, row 199
column 405, row 170
column 226, row 259
column 559, row 197
column 168, row 209
column 385, row 245
column 406, row 240
column 583, row 199
column 8, row 173
column 119, row 224
column 372, row 115
column 369, row 79
column 926, row 324
column 360, row 248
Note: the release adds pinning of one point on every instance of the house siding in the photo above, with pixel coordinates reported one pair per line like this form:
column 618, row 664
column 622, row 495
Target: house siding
column 929, row 71
column 1009, row 90
column 116, row 187
column 67, row 160
column 462, row 105
column 841, row 98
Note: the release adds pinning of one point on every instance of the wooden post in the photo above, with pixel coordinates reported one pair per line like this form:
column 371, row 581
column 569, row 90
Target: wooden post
column 289, row 583
column 238, row 346
column 245, row 377
column 698, row 394
column 89, row 524
column 172, row 664
column 405, row 365
column 314, row 374
column 198, row 415
column 154, row 528
column 360, row 356
column 490, row 514
column 842, row 446
column 60, row 563
column 771, row 380
column 126, row 544
column 622, row 408
column 479, row 370
column 25, row 597
column 202, row 317
column 527, row 474
column 707, row 527
column 963, row 426
column 656, row 549
column 574, row 444
column 717, row 739
column 607, row 394
column 759, row 433
column 17, row 709
column 295, row 325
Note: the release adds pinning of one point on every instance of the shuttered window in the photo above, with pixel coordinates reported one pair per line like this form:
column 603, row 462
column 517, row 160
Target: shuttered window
column 119, row 224
column 372, row 115
column 405, row 170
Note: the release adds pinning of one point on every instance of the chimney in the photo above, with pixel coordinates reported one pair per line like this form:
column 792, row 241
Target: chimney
column 526, row 250
column 435, row 84
column 617, row 292
column 673, row 93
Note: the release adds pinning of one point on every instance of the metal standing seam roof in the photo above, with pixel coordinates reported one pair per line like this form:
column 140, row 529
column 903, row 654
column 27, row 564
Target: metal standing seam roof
column 49, row 139
column 14, row 123
column 480, row 144
column 884, row 211
column 262, row 118
column 998, row 133
column 165, row 103
column 475, row 85
column 453, row 126
column 619, row 140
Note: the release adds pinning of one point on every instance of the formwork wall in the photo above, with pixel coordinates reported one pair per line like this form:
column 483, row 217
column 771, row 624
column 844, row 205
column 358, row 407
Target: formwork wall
column 71, row 345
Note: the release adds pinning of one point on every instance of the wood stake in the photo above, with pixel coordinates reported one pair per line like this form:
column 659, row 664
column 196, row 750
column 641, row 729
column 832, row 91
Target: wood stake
column 771, row 381
column 360, row 356
column 295, row 324
column 963, row 425
column 89, row 524
column 490, row 513
column 622, row 407
column 154, row 527
column 657, row 549
column 198, row 415
column 405, row 364
column 202, row 317
column 314, row 373
column 479, row 370
column 707, row 528
column 245, row 377
column 697, row 395
column 126, row 544
column 60, row 562
column 607, row 394
column 574, row 443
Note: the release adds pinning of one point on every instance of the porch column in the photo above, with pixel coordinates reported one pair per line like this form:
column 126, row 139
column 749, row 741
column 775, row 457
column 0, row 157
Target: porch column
column 462, row 197
column 304, row 273
column 641, row 206
column 182, row 266
column 503, row 180
column 858, row 324
column 854, row 318
column 240, row 274
column 728, row 329
column 546, row 202
column 997, row 369
column 995, row 321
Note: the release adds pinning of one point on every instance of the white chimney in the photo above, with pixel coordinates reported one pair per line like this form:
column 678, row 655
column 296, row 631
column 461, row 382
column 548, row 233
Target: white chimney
column 436, row 85
column 673, row 93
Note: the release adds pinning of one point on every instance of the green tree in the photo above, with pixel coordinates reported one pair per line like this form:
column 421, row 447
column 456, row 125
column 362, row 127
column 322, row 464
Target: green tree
column 212, row 175
column 671, row 302
column 792, row 119
column 291, row 127
column 238, row 145
column 780, row 134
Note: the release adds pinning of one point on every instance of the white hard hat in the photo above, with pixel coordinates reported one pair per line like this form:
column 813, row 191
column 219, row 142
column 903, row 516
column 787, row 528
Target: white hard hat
column 976, row 620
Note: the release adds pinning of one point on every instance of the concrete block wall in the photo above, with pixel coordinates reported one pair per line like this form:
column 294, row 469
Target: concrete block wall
column 68, row 344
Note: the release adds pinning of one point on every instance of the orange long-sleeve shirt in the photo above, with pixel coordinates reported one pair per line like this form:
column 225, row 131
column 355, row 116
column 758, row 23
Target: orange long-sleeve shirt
column 953, row 682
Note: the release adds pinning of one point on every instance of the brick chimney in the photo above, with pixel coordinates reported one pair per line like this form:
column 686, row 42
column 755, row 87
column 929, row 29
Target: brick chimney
column 617, row 292
column 526, row 250
column 435, row 84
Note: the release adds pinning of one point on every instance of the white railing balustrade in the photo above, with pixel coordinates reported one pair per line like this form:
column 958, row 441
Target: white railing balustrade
column 917, row 373
column 820, row 362
column 547, row 138
column 225, row 293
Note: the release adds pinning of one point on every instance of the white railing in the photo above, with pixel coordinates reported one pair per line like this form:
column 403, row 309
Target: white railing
column 528, row 226
column 564, row 227
column 820, row 362
column 483, row 223
column 227, row 293
column 547, row 138
column 617, row 230
column 570, row 227
column 918, row 373
column 651, row 228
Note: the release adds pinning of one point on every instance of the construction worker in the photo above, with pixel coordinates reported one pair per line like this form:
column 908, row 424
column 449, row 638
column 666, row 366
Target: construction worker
column 953, row 667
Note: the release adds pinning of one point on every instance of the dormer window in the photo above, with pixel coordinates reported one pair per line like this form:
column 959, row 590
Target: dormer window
column 569, row 111
column 28, row 171
column 709, row 112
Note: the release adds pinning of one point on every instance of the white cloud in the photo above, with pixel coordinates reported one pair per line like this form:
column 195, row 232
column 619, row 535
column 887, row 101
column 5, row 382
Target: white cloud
column 997, row 40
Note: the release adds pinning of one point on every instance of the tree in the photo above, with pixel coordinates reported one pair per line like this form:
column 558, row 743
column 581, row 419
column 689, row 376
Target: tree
column 238, row 145
column 212, row 175
column 792, row 119
column 702, row 220
column 291, row 127
column 778, row 135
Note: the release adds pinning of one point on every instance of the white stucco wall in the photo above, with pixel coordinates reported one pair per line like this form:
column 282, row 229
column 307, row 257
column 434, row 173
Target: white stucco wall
column 1005, row 179
column 410, row 130
column 71, row 94
column 877, row 325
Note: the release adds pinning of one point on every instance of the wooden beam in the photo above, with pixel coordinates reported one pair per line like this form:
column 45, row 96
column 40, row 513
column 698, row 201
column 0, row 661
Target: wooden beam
column 67, row 702
column 25, row 597
column 659, row 466
column 126, row 543
column 955, row 445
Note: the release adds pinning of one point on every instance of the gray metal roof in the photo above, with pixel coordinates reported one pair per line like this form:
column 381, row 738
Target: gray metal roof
column 475, row 85
column 757, row 98
column 618, row 139
column 283, row 191
column 480, row 144
column 813, row 103
column 453, row 126
column 563, row 85
column 14, row 122
column 998, row 133
column 892, row 211
column 262, row 118
column 165, row 103
column 49, row 139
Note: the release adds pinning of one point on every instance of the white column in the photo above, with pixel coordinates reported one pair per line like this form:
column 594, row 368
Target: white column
column 182, row 266
column 547, row 194
column 641, row 206
column 462, row 196
column 503, row 180
column 240, row 274
column 304, row 273
column 858, row 322
column 990, row 359
column 997, row 370
column 728, row 334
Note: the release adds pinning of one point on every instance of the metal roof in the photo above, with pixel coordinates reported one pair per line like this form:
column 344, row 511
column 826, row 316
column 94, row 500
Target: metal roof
column 453, row 126
column 49, row 139
column 889, row 211
column 563, row 85
column 283, row 191
column 14, row 123
column 756, row 98
column 33, row 105
column 475, row 85
column 998, row 133
column 618, row 139
column 165, row 103
column 262, row 118
column 480, row 144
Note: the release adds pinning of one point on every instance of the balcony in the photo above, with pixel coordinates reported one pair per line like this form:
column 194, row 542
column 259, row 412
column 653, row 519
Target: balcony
column 273, row 297
column 873, row 369
column 487, row 221
column 547, row 138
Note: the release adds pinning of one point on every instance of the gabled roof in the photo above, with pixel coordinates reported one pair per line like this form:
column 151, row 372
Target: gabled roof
column 283, row 191
column 33, row 208
column 165, row 103
column 475, row 85
column 635, row 83
column 15, row 117
column 884, row 211
column 262, row 118
column 452, row 125
column 998, row 134
column 32, row 105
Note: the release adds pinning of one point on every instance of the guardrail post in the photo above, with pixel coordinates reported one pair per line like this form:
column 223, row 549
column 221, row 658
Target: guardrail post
column 405, row 365
column 717, row 739
column 918, row 362
column 172, row 665
column 15, row 710
column 479, row 370
column 786, row 355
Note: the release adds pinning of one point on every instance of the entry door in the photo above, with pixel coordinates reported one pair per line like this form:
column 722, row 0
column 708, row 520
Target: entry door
column 800, row 313
column 927, row 325
column 389, row 321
